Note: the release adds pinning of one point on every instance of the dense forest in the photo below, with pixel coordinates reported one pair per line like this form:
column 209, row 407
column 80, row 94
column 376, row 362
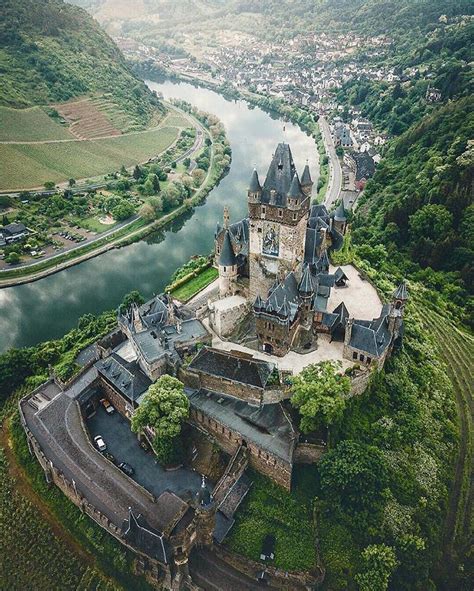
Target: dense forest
column 51, row 51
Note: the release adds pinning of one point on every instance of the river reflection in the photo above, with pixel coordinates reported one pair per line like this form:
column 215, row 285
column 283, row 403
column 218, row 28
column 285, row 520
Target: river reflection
column 48, row 308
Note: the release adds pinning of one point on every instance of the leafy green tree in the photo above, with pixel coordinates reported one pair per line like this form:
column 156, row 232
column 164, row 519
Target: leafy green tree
column 318, row 393
column 432, row 222
column 137, row 173
column 13, row 258
column 148, row 188
column 379, row 563
column 72, row 182
column 164, row 409
column 198, row 176
column 134, row 297
column 354, row 475
column 123, row 210
column 49, row 185
column 5, row 220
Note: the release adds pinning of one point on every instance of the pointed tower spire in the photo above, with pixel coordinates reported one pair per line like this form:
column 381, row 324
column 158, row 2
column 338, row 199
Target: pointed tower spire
column 305, row 286
column 306, row 181
column 226, row 217
column 295, row 187
column 227, row 258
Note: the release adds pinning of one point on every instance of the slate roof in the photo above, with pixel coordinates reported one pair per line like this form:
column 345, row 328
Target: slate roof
column 339, row 213
column 401, row 293
column 227, row 256
column 365, row 165
column 306, row 177
column 255, row 186
column 126, row 377
column 279, row 176
column 14, row 228
column 267, row 426
column 339, row 274
column 139, row 535
column 372, row 337
column 306, row 285
column 283, row 298
column 235, row 368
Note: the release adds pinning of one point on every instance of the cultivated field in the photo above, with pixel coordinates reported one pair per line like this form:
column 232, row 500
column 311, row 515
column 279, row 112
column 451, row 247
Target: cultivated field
column 86, row 120
column 29, row 165
column 21, row 125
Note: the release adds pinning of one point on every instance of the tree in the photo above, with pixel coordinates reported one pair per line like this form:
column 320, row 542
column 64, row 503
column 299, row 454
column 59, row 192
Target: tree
column 379, row 563
column 137, row 173
column 72, row 182
column 319, row 394
column 433, row 222
column 198, row 176
column 163, row 409
column 353, row 475
column 123, row 211
column 49, row 185
column 134, row 297
column 147, row 212
column 148, row 187
column 5, row 220
column 13, row 258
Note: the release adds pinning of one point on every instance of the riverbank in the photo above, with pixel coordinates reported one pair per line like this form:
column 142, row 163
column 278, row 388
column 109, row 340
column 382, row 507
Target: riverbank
column 328, row 160
column 136, row 230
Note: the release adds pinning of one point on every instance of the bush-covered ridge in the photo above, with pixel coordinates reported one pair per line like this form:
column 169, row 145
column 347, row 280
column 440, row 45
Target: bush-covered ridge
column 419, row 204
column 52, row 52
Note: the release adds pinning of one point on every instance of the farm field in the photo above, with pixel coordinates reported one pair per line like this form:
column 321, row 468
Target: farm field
column 29, row 125
column 31, row 165
column 86, row 120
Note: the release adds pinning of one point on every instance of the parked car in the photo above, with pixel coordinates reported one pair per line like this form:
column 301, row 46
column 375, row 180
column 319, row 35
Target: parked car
column 108, row 407
column 100, row 443
column 129, row 471
column 109, row 456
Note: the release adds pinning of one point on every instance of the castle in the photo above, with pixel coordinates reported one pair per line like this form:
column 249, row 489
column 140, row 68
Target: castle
column 278, row 299
column 277, row 260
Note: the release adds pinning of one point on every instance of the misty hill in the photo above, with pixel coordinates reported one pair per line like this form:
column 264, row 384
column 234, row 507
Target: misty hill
column 52, row 51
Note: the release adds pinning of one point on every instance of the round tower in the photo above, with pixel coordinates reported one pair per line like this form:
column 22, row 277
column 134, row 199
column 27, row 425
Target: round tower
column 227, row 268
column 255, row 189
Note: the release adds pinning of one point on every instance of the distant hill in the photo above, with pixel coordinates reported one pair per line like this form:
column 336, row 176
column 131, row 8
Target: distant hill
column 51, row 52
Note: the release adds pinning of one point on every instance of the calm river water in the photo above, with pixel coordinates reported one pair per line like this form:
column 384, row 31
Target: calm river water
column 47, row 308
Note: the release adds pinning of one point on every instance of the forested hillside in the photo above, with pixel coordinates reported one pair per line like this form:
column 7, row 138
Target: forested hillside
column 51, row 51
column 420, row 203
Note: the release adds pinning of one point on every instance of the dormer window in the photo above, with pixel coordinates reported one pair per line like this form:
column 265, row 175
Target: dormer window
column 280, row 165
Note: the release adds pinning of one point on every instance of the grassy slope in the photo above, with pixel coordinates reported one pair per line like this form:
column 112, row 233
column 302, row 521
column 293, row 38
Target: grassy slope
column 30, row 125
column 31, row 165
column 52, row 51
column 195, row 285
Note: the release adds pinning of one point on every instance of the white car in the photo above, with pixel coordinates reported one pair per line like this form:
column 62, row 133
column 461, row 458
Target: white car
column 100, row 443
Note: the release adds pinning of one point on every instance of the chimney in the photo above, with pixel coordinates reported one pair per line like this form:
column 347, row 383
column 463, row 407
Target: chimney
column 348, row 334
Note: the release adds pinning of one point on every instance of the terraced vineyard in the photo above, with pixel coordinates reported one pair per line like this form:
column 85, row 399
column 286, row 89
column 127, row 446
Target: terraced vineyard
column 456, row 348
column 86, row 120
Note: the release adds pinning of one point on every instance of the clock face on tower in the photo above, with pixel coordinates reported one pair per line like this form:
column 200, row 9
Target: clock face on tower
column 270, row 245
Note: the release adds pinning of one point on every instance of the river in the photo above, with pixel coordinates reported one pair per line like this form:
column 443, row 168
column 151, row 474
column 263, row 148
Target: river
column 47, row 308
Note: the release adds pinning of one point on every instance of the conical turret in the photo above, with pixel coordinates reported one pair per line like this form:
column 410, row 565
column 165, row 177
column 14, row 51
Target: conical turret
column 227, row 257
column 305, row 286
column 255, row 189
column 306, row 181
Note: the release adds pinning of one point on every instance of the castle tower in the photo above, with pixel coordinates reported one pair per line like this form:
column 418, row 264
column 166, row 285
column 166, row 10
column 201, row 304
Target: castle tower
column 306, row 290
column 227, row 268
column 397, row 307
column 340, row 218
column 306, row 181
column 278, row 214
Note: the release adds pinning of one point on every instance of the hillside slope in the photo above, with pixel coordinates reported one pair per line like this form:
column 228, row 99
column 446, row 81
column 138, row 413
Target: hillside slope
column 52, row 51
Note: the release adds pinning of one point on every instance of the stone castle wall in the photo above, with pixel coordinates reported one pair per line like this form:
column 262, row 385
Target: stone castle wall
column 259, row 459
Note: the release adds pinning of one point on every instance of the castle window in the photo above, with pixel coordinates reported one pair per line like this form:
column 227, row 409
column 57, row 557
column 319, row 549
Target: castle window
column 280, row 213
column 361, row 357
column 354, row 355
column 369, row 359
column 295, row 215
column 259, row 230
column 264, row 209
column 225, row 269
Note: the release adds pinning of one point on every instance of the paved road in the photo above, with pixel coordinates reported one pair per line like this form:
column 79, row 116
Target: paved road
column 335, row 173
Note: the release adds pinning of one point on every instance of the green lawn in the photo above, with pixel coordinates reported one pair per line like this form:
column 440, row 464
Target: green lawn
column 30, row 125
column 195, row 285
column 31, row 165
column 269, row 509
